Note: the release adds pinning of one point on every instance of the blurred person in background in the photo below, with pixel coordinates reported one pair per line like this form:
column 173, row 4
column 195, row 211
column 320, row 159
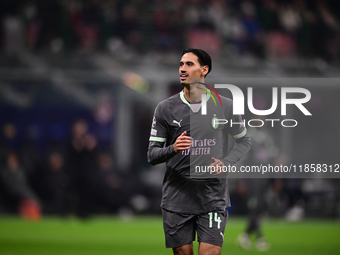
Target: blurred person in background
column 304, row 33
column 33, row 163
column 325, row 33
column 57, row 184
column 289, row 19
column 17, row 190
column 129, row 28
column 255, row 193
column 167, row 28
column 252, row 39
column 268, row 16
column 110, row 184
column 255, row 189
column 82, row 163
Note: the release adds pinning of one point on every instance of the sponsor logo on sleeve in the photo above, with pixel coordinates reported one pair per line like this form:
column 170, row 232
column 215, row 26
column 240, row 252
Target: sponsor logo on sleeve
column 153, row 132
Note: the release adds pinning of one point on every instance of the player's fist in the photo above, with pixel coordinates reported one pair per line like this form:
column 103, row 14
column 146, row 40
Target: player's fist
column 217, row 164
column 182, row 142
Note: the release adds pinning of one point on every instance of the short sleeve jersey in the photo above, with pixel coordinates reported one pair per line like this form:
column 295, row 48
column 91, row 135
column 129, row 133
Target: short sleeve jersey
column 181, row 192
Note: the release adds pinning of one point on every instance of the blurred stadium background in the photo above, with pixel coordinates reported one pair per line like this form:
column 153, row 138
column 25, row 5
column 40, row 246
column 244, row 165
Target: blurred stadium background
column 79, row 81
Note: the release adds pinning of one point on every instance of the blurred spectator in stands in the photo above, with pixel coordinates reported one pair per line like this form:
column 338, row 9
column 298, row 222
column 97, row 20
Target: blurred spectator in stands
column 78, row 25
column 325, row 34
column 201, row 32
column 252, row 41
column 90, row 28
column 109, row 20
column 162, row 29
column 17, row 190
column 280, row 46
column 13, row 28
column 82, row 159
column 75, row 9
column 280, row 38
column 57, row 184
column 268, row 16
column 290, row 20
column 50, row 13
column 33, row 24
column 139, row 25
column 216, row 13
column 129, row 27
column 204, row 38
column 304, row 34
column 196, row 15
column 227, row 25
column 167, row 29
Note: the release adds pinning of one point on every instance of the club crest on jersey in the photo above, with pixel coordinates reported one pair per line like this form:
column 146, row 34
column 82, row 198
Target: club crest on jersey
column 214, row 123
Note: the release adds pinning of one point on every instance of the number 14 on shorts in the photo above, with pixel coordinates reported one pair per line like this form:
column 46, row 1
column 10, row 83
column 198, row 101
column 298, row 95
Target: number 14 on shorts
column 217, row 219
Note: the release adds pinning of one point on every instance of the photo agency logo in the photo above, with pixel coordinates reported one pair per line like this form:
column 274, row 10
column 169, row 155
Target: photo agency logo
column 239, row 102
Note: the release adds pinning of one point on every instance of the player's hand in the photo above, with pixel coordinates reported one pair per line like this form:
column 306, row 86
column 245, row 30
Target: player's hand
column 215, row 163
column 182, row 142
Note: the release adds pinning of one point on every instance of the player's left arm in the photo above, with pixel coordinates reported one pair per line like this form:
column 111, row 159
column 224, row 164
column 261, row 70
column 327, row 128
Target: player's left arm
column 242, row 146
column 243, row 142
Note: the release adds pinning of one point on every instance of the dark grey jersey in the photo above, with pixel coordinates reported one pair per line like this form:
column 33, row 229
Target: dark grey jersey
column 183, row 192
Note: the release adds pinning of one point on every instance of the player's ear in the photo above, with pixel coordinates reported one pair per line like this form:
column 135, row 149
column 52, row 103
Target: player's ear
column 205, row 70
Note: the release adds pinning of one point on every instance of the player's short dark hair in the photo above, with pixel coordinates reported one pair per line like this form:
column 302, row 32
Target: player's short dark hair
column 203, row 58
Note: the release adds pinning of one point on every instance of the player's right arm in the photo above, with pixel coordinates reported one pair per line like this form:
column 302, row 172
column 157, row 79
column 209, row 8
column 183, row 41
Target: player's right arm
column 158, row 152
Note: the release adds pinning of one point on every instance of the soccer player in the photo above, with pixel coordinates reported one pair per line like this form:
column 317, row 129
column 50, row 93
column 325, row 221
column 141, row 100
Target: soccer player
column 195, row 202
column 256, row 190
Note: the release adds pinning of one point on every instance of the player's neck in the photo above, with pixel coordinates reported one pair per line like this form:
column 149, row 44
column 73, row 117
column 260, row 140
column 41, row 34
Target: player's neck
column 192, row 94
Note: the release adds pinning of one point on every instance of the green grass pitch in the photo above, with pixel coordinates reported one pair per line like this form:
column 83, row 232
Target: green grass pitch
column 144, row 235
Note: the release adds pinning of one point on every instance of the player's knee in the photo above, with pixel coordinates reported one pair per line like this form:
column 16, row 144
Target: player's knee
column 183, row 250
column 209, row 249
column 214, row 252
column 211, row 252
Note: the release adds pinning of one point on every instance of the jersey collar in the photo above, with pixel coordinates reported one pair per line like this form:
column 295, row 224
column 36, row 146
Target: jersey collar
column 181, row 94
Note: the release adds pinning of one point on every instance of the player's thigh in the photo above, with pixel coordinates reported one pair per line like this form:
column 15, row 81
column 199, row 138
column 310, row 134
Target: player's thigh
column 179, row 229
column 211, row 226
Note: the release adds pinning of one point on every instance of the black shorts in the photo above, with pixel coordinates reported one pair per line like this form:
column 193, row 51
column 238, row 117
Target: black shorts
column 181, row 229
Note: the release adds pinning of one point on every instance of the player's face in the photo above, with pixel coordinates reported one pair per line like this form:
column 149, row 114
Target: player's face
column 190, row 70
